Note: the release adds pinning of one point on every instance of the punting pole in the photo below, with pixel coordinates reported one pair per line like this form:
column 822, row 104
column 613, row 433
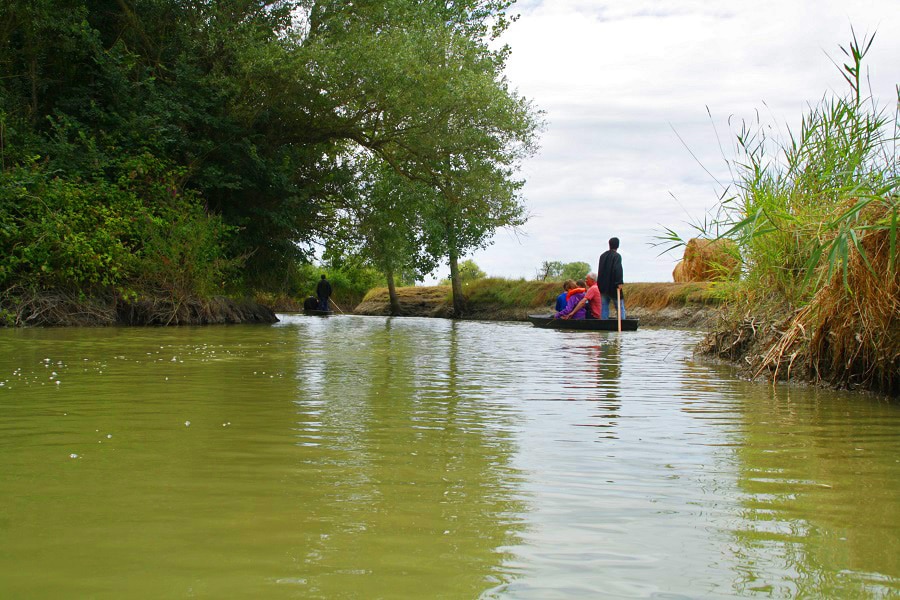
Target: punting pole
column 619, row 307
column 336, row 306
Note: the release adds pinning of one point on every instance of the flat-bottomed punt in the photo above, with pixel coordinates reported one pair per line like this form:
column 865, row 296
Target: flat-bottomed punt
column 548, row 322
column 317, row 312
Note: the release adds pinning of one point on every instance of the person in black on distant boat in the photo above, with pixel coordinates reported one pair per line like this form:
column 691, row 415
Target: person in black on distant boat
column 323, row 291
column 610, row 279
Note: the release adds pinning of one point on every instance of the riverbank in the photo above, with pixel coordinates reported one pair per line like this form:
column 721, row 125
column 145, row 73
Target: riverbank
column 693, row 305
column 23, row 308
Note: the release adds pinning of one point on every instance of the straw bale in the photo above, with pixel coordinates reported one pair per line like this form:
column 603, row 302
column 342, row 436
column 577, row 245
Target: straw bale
column 678, row 275
column 708, row 260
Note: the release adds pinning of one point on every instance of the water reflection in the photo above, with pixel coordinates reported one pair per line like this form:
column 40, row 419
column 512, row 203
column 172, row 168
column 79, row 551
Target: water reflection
column 369, row 457
column 605, row 363
column 821, row 495
column 418, row 479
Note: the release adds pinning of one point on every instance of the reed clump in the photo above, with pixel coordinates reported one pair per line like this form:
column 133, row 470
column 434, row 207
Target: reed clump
column 707, row 260
column 815, row 221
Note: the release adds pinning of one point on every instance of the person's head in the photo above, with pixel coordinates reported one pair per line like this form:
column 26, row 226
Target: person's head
column 614, row 243
column 323, row 275
column 580, row 283
column 591, row 279
column 569, row 284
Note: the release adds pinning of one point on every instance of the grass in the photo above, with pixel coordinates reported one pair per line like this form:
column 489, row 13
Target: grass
column 815, row 220
column 508, row 298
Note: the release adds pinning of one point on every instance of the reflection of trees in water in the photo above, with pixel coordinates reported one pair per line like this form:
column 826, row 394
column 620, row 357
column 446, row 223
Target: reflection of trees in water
column 820, row 475
column 409, row 488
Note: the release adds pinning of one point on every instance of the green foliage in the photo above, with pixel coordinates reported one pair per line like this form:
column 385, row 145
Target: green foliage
column 555, row 270
column 350, row 280
column 469, row 271
column 136, row 233
column 798, row 209
column 57, row 233
column 259, row 113
column 509, row 293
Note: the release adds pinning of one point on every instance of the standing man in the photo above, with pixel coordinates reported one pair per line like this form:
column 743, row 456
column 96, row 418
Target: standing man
column 609, row 278
column 323, row 291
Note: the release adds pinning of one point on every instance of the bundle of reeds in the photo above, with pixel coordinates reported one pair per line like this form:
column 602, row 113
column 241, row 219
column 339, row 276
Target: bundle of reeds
column 708, row 260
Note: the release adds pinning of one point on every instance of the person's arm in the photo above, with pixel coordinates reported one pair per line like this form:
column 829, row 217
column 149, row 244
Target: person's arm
column 617, row 271
column 576, row 308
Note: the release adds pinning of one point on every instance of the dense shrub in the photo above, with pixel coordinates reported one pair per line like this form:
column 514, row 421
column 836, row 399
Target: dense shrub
column 139, row 234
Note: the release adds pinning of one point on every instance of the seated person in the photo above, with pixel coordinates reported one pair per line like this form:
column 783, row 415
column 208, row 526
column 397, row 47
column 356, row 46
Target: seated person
column 561, row 299
column 574, row 295
column 590, row 302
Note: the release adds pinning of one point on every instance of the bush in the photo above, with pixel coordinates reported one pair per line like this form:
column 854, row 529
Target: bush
column 138, row 235
column 60, row 234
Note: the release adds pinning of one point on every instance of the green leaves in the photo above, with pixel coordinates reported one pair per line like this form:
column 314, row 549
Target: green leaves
column 804, row 207
column 243, row 122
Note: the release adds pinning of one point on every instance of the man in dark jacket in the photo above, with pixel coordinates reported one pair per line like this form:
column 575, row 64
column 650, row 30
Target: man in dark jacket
column 323, row 291
column 610, row 279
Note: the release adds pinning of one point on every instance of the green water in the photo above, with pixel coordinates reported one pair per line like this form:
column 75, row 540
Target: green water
column 362, row 457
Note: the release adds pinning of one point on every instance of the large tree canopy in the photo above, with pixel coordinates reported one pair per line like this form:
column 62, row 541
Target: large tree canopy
column 261, row 114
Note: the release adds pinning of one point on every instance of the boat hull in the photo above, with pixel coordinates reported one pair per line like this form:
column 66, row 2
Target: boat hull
column 316, row 312
column 547, row 322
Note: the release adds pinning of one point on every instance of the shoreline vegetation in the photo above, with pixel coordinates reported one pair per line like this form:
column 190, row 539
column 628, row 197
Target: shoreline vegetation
column 692, row 305
column 814, row 223
column 172, row 163
column 23, row 308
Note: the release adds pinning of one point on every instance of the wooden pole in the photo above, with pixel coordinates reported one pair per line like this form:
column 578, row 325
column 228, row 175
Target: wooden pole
column 336, row 306
column 619, row 307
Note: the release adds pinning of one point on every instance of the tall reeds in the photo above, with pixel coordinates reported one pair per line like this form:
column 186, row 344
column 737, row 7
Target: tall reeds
column 816, row 222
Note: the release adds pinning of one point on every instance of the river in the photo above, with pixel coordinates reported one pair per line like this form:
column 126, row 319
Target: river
column 369, row 457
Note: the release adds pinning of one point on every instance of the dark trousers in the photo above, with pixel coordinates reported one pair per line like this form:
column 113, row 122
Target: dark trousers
column 323, row 302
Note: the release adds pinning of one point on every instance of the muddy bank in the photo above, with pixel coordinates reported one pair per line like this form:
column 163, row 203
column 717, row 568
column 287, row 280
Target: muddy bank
column 30, row 309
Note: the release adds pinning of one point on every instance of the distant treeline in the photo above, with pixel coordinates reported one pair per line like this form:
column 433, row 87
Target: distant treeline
column 184, row 148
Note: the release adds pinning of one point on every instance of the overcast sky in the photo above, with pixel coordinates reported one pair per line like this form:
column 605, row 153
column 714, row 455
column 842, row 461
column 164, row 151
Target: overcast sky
column 618, row 79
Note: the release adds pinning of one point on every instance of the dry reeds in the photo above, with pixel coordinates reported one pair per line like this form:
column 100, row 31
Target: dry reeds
column 849, row 333
column 707, row 260
column 655, row 296
column 22, row 307
column 817, row 222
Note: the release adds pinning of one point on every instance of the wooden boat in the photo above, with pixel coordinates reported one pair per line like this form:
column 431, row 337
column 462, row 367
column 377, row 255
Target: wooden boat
column 317, row 312
column 548, row 322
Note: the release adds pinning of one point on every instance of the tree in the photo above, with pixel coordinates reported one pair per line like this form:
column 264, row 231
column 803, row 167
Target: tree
column 467, row 272
column 384, row 224
column 258, row 111
column 574, row 270
column 421, row 86
column 555, row 270
column 549, row 270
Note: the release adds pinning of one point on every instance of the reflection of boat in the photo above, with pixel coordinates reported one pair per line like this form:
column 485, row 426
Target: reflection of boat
column 317, row 312
column 548, row 322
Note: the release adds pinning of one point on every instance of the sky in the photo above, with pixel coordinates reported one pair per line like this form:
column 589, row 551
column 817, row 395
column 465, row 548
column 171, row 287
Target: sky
column 642, row 101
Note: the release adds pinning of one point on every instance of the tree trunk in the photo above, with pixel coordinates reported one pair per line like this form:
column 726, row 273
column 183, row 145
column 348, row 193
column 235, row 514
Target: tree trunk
column 392, row 292
column 459, row 302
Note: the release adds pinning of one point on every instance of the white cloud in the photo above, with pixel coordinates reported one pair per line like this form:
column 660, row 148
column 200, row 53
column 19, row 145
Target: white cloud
column 616, row 77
